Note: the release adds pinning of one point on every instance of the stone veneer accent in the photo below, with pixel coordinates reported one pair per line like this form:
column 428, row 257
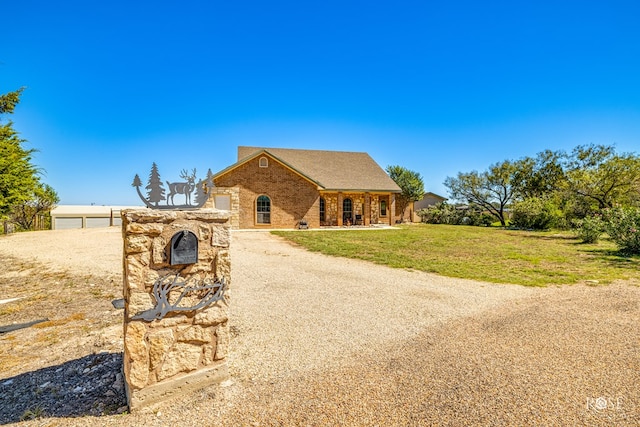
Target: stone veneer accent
column 183, row 351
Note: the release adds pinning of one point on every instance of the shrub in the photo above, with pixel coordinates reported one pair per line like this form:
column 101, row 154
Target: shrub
column 589, row 229
column 536, row 213
column 441, row 213
column 444, row 213
column 623, row 226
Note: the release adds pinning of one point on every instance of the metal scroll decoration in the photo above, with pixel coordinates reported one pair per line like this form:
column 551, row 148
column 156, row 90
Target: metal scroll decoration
column 194, row 193
column 205, row 292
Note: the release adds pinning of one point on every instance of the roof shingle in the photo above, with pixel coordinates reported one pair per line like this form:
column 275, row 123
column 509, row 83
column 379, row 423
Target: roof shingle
column 332, row 170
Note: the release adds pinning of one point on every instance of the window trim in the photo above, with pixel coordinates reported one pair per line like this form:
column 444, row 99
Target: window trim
column 260, row 214
column 323, row 210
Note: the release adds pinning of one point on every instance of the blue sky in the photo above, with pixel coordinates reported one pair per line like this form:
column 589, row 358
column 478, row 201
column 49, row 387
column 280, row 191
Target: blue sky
column 437, row 87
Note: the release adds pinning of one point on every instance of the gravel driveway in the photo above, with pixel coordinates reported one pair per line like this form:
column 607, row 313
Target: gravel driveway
column 320, row 340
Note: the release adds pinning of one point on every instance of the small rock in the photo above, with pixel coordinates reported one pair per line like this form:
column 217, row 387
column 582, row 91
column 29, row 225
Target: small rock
column 9, row 382
column 122, row 410
column 78, row 389
column 227, row 383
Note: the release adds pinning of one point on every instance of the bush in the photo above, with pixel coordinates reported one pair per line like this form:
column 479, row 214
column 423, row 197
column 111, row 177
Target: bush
column 536, row 213
column 444, row 213
column 589, row 229
column 623, row 226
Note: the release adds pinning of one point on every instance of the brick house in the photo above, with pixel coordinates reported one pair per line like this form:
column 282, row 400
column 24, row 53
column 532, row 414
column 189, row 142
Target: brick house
column 279, row 188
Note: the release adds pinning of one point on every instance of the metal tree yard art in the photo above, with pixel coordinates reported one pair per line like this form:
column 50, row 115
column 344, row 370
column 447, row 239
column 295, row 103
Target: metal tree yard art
column 156, row 190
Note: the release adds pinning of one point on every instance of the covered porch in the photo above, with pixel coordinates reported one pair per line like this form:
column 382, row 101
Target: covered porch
column 353, row 208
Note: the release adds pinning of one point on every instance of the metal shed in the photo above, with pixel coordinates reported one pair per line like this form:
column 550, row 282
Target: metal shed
column 80, row 216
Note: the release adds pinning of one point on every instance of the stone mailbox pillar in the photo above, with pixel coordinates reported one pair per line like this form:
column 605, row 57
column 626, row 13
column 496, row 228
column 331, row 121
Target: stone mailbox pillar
column 176, row 331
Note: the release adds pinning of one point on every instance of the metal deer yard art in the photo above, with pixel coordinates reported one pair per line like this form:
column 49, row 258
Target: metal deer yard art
column 156, row 192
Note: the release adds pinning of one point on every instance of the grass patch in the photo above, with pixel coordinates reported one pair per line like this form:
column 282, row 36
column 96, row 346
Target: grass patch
column 479, row 253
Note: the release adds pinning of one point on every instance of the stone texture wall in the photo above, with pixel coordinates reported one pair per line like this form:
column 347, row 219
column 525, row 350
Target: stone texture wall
column 234, row 195
column 365, row 204
column 184, row 350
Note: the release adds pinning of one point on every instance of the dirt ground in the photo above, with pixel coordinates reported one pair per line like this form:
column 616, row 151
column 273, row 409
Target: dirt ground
column 321, row 341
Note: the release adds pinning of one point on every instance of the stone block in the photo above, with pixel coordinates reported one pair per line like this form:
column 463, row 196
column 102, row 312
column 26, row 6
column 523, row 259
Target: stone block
column 136, row 243
column 221, row 237
column 146, row 229
column 139, row 302
column 195, row 334
column 212, row 315
column 137, row 355
column 158, row 250
column 223, row 265
column 171, row 321
column 182, row 358
column 181, row 385
column 159, row 344
column 223, row 337
column 209, row 354
column 204, row 232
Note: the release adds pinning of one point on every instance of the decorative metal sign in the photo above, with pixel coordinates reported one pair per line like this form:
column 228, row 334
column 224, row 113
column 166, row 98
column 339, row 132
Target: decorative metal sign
column 184, row 248
column 182, row 190
column 204, row 292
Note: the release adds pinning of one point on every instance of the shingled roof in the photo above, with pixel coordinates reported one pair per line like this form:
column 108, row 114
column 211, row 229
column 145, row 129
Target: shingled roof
column 330, row 170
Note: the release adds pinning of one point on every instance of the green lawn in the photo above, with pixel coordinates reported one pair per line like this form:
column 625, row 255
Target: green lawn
column 480, row 253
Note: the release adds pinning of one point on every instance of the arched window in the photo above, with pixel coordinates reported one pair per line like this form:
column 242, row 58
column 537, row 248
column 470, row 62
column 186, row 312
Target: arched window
column 322, row 209
column 347, row 210
column 264, row 162
column 263, row 210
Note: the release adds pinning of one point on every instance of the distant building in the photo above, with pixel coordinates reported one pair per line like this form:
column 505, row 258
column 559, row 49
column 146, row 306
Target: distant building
column 428, row 199
column 78, row 216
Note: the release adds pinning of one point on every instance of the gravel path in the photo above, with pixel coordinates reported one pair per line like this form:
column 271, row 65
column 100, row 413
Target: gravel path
column 329, row 341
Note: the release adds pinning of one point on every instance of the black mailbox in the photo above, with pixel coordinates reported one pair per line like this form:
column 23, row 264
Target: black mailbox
column 184, row 248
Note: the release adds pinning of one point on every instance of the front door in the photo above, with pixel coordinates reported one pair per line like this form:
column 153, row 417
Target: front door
column 347, row 212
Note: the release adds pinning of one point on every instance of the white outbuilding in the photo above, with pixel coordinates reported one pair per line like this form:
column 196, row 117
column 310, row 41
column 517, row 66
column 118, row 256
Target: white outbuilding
column 82, row 216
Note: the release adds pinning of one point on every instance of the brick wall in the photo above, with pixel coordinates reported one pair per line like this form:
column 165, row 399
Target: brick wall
column 292, row 197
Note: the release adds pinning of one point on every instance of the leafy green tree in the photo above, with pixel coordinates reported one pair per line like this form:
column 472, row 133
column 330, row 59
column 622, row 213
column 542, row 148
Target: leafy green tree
column 19, row 178
column 410, row 183
column 492, row 189
column 539, row 176
column 43, row 199
column 597, row 174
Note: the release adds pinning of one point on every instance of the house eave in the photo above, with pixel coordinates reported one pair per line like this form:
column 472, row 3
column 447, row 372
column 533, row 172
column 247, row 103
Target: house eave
column 358, row 190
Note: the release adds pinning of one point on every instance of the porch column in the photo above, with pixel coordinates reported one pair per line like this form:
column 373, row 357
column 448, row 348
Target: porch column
column 367, row 209
column 340, row 198
column 392, row 209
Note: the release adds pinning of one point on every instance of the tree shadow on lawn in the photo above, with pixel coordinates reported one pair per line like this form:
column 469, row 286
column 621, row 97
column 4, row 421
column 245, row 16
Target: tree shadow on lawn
column 90, row 386
column 530, row 234
column 615, row 257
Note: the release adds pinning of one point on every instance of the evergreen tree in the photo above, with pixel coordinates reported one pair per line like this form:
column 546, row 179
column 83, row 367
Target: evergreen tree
column 156, row 190
column 20, row 188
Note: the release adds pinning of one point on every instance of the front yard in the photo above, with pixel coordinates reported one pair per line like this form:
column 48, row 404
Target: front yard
column 480, row 253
